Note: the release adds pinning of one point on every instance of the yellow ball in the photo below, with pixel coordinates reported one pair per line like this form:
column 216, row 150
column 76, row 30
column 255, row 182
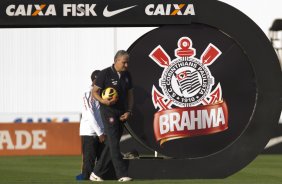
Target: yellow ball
column 109, row 93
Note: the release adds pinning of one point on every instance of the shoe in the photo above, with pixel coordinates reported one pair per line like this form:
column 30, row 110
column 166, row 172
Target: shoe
column 94, row 177
column 125, row 179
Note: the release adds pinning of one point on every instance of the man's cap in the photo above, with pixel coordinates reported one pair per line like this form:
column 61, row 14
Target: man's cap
column 95, row 74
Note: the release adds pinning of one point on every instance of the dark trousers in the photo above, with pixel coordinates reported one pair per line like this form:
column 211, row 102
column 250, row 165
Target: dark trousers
column 111, row 152
column 91, row 150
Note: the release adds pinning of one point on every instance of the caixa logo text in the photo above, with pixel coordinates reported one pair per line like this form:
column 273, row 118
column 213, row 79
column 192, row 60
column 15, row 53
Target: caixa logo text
column 31, row 10
column 169, row 9
column 50, row 10
column 41, row 120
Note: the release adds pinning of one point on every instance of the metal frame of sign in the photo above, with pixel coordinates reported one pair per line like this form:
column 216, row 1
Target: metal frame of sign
column 133, row 13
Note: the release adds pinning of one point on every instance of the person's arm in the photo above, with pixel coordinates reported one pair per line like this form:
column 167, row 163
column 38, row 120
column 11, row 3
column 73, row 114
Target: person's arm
column 93, row 117
column 97, row 126
column 98, row 85
column 130, row 96
column 97, row 123
column 96, row 95
column 130, row 101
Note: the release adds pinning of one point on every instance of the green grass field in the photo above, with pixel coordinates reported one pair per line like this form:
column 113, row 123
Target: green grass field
column 265, row 169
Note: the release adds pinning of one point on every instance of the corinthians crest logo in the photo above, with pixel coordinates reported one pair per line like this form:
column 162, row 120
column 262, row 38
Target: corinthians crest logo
column 191, row 103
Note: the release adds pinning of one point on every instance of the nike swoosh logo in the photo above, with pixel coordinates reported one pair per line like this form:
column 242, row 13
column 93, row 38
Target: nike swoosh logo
column 108, row 13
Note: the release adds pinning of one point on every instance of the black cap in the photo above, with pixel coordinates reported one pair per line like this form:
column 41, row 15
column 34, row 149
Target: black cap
column 95, row 74
column 277, row 25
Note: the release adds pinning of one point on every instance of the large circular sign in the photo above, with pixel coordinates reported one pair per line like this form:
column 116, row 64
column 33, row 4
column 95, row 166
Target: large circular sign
column 198, row 90
column 207, row 92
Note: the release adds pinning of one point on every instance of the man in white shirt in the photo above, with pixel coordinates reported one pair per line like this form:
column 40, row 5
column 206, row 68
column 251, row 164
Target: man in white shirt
column 91, row 130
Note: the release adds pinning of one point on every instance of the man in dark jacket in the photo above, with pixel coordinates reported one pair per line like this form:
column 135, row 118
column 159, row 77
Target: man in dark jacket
column 114, row 113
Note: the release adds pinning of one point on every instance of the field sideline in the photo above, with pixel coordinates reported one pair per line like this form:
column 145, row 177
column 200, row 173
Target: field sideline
column 265, row 169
